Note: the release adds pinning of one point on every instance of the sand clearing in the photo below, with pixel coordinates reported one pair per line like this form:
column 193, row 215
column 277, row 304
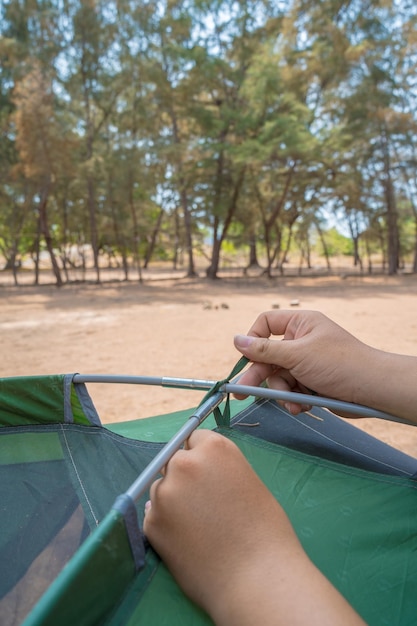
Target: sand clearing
column 185, row 328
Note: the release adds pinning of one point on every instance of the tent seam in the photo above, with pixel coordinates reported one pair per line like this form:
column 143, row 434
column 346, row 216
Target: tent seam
column 403, row 481
column 78, row 476
column 345, row 447
column 324, row 436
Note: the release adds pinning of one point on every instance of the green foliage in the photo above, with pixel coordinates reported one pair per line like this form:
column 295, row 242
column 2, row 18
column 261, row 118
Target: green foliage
column 336, row 244
column 151, row 127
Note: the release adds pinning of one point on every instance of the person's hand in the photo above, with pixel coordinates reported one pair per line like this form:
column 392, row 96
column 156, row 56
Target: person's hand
column 211, row 517
column 314, row 354
column 230, row 545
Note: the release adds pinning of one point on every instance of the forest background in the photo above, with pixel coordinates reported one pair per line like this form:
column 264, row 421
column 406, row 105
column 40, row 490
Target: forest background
column 189, row 131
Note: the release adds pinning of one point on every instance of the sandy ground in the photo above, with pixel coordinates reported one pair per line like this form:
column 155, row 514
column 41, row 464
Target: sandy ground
column 184, row 328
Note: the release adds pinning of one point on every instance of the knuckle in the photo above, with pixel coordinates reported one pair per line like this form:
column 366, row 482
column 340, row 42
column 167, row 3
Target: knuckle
column 179, row 461
column 264, row 348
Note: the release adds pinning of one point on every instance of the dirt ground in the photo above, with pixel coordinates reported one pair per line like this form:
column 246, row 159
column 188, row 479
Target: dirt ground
column 184, row 328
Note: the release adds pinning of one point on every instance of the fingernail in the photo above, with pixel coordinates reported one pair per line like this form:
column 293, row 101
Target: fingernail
column 243, row 341
column 147, row 505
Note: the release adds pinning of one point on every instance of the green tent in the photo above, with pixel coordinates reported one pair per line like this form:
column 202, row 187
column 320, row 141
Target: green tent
column 73, row 493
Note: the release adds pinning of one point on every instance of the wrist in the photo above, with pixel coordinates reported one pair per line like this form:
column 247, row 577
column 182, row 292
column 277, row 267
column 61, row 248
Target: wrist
column 268, row 593
column 389, row 383
column 365, row 376
column 251, row 594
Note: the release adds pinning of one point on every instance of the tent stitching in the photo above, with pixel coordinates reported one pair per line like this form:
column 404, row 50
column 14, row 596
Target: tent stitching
column 325, row 437
column 79, row 477
column 406, row 481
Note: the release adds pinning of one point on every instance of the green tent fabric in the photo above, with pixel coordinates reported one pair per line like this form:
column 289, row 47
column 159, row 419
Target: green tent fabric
column 355, row 526
column 74, row 549
column 45, row 399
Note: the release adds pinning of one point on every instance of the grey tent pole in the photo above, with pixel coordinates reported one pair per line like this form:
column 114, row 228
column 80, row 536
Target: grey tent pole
column 320, row 401
column 160, row 381
column 146, row 478
column 258, row 392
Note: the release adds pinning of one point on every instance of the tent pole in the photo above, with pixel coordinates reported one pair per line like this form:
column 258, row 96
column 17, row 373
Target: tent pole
column 146, row 478
column 257, row 392
column 160, row 381
column 320, row 401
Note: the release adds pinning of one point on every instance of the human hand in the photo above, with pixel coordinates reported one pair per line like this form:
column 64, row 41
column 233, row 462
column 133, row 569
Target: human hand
column 314, row 354
column 230, row 545
column 215, row 525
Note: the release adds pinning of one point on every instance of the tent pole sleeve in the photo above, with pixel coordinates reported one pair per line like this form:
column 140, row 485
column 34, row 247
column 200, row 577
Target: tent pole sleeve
column 146, row 478
column 126, row 507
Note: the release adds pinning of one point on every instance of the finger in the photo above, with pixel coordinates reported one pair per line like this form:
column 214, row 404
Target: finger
column 295, row 409
column 147, row 507
column 282, row 380
column 254, row 376
column 154, row 487
column 285, row 382
column 276, row 377
column 194, row 439
column 149, row 515
column 271, row 323
column 262, row 350
column 149, row 510
column 164, row 471
column 198, row 437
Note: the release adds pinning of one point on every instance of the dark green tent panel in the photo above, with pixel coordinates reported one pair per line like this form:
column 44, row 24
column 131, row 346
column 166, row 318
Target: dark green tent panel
column 70, row 535
column 45, row 400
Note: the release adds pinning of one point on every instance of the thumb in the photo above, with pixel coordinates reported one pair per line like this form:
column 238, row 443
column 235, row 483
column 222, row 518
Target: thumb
column 262, row 350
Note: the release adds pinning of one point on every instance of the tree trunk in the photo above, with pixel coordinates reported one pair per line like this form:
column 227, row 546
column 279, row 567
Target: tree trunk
column 324, row 245
column 152, row 243
column 36, row 255
column 269, row 254
column 410, row 196
column 212, row 270
column 391, row 206
column 218, row 241
column 191, row 271
column 355, row 235
column 369, row 255
column 13, row 264
column 253, row 254
column 136, row 236
column 43, row 220
column 271, row 221
column 93, row 224
column 177, row 239
column 356, row 256
column 284, row 256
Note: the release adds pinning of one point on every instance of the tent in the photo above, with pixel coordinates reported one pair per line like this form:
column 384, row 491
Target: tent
column 73, row 494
